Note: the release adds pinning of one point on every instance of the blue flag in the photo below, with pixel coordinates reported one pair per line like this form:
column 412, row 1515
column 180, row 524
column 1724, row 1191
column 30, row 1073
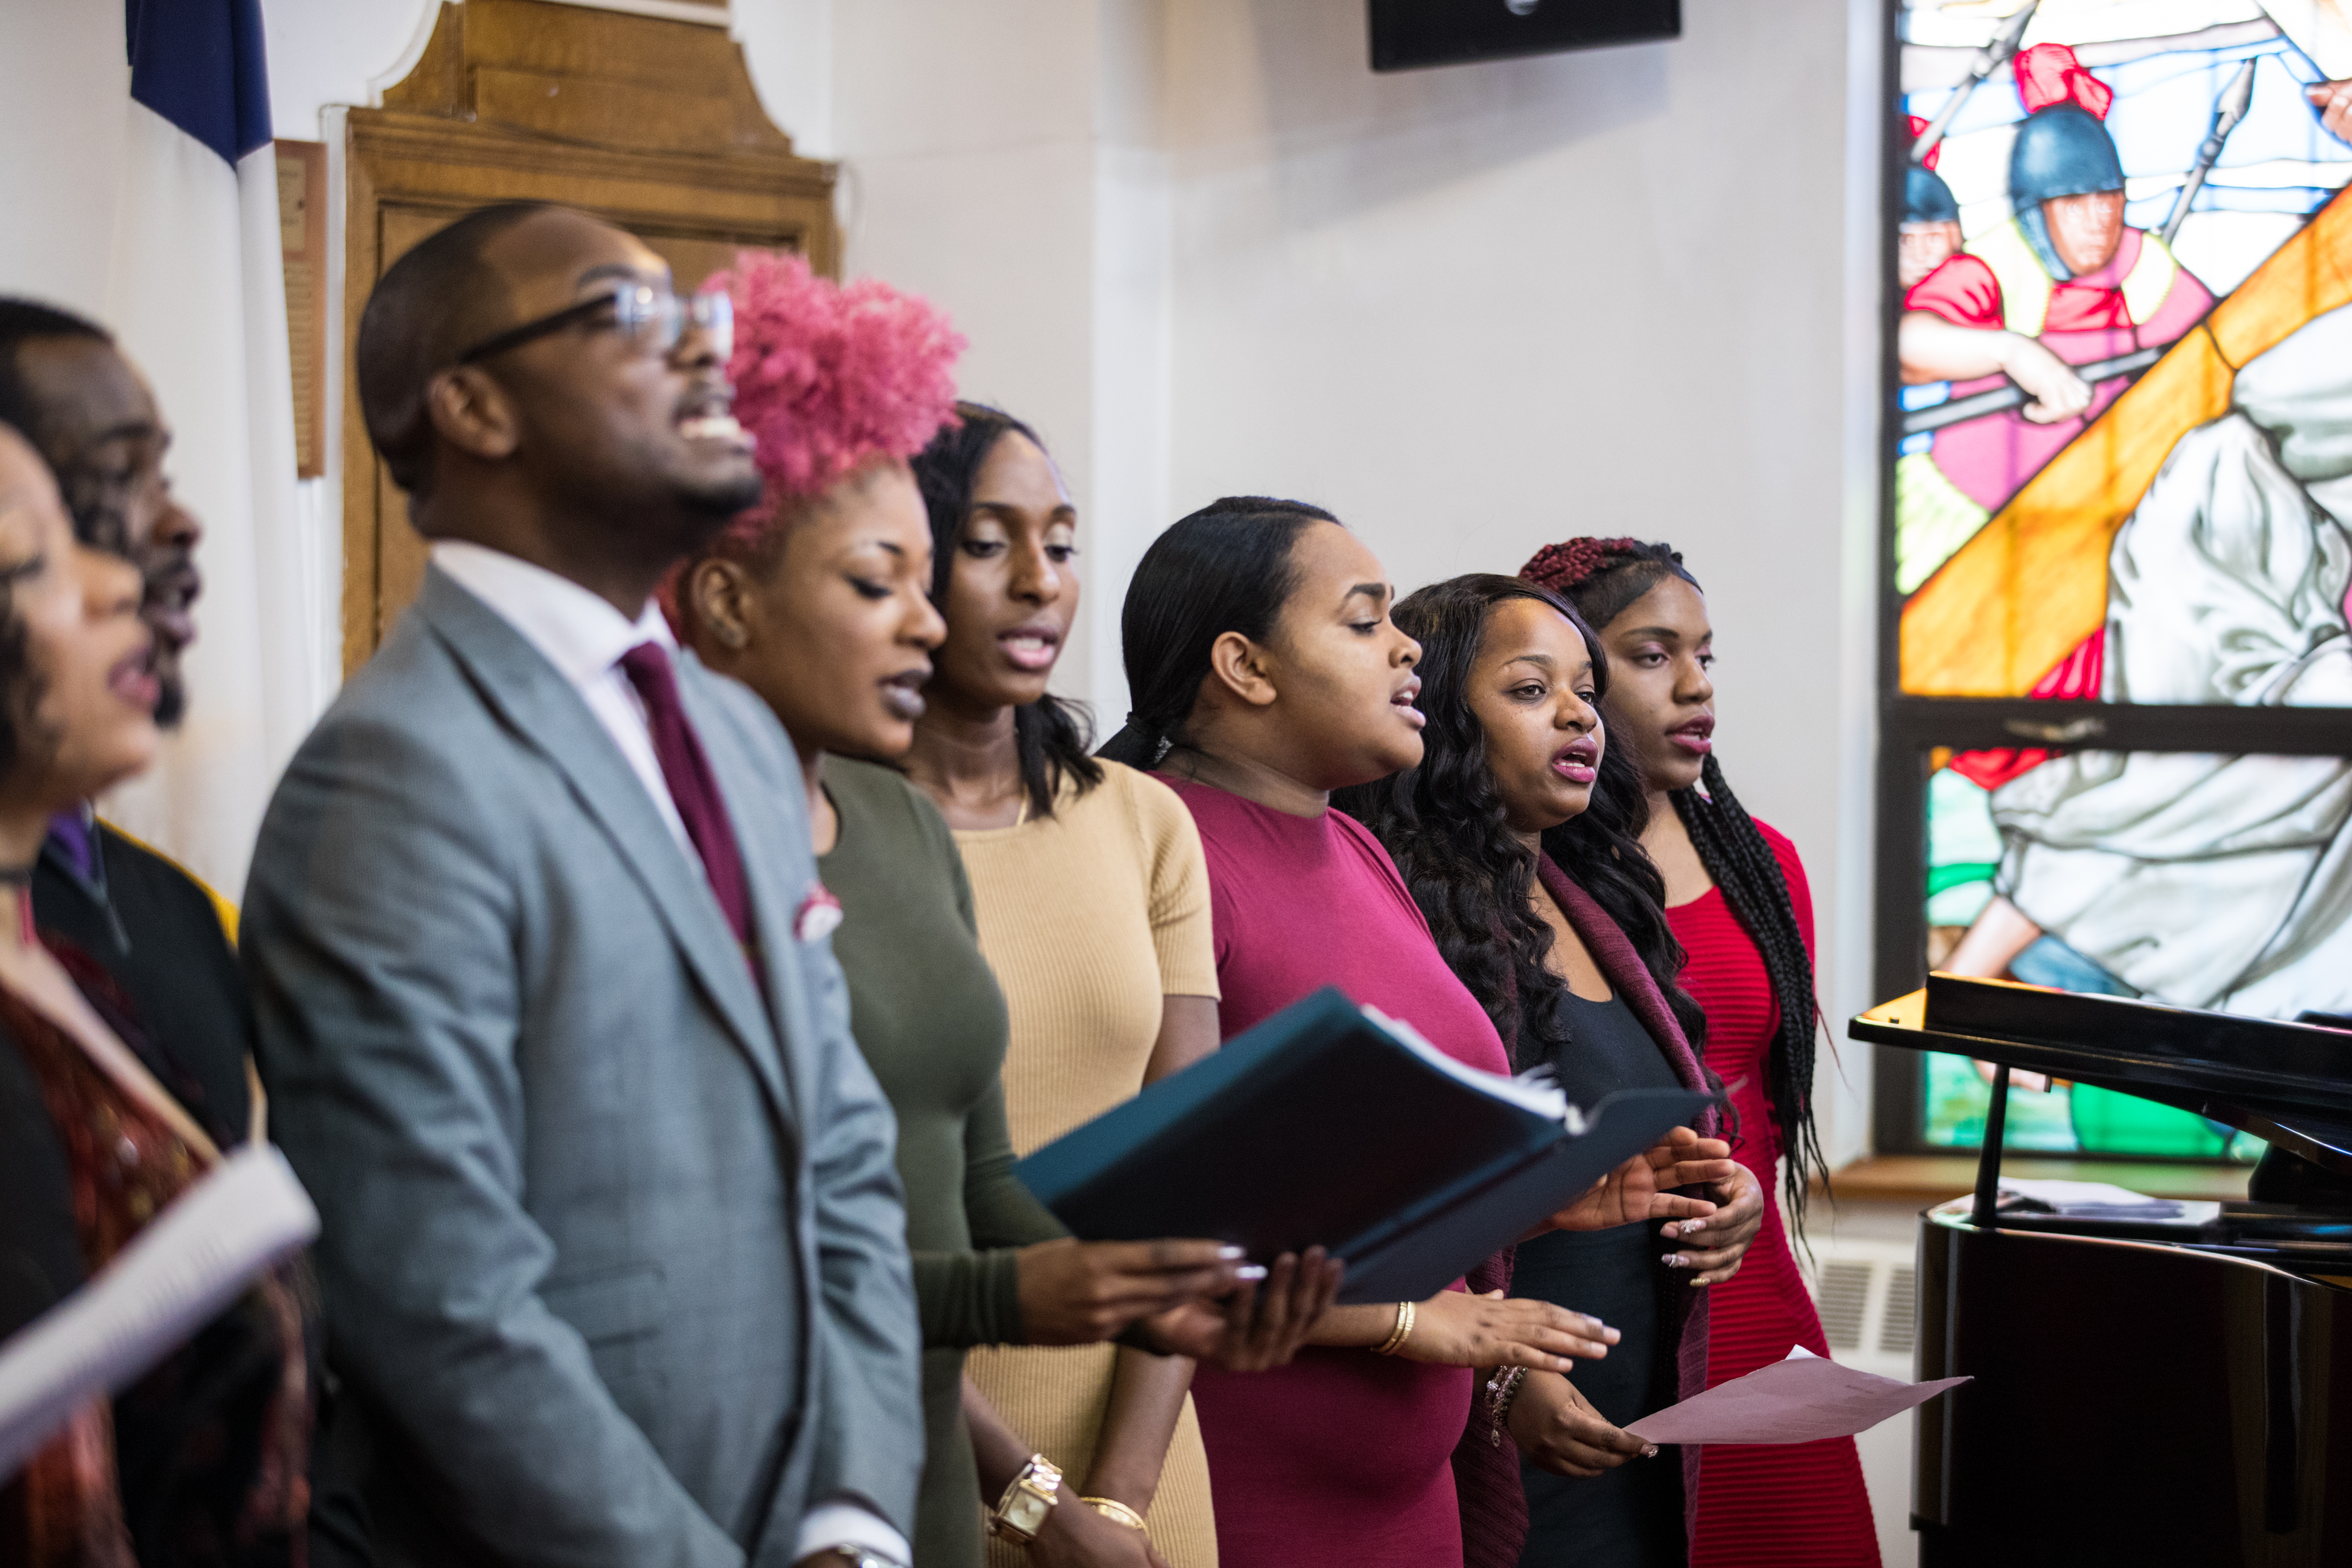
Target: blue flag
column 200, row 64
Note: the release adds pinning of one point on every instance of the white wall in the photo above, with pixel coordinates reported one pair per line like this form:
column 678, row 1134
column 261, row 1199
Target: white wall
column 1471, row 310
column 62, row 71
column 1479, row 308
column 1002, row 160
column 1205, row 250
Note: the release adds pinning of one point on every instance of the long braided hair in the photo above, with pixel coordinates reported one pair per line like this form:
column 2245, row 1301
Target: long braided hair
column 1444, row 823
column 1604, row 578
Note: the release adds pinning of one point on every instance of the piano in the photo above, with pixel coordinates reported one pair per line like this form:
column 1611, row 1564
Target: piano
column 2149, row 1390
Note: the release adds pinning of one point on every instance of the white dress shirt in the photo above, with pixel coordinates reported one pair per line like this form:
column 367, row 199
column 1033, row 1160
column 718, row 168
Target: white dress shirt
column 585, row 637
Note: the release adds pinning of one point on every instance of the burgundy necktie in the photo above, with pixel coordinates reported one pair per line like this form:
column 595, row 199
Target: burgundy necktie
column 691, row 787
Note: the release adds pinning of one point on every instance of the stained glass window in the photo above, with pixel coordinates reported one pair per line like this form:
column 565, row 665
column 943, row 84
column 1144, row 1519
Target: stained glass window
column 2126, row 362
column 2119, row 539
column 1979, row 845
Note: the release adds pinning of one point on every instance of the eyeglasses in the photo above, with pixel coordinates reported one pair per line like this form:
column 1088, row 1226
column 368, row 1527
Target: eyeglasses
column 651, row 317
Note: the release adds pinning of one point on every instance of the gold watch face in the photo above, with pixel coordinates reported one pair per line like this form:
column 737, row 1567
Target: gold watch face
column 1027, row 1510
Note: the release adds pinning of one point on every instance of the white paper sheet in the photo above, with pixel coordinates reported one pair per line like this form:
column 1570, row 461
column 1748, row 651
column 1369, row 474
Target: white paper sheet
column 177, row 1275
column 1800, row 1400
column 2089, row 1198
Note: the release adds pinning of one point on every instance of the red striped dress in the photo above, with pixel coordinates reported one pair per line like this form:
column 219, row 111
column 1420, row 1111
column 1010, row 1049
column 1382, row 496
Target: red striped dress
column 1796, row 1505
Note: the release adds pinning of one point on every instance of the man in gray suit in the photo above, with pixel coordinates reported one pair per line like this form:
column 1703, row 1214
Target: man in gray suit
column 614, row 1254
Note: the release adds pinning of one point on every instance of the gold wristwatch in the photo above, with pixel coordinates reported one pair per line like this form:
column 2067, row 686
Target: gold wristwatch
column 1027, row 1504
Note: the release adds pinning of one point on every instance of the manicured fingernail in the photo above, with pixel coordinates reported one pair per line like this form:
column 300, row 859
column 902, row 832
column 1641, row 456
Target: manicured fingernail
column 1608, row 1335
column 1250, row 1271
column 1689, row 1225
column 1674, row 1260
column 1700, row 1284
column 1232, row 1254
column 1651, row 1452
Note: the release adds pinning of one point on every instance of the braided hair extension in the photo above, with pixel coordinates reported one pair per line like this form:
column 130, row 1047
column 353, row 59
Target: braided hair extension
column 1443, row 822
column 1604, row 577
column 1735, row 854
column 1052, row 735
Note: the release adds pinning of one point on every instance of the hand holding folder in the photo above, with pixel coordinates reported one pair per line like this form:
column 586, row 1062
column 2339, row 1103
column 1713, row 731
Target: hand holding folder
column 1260, row 1325
column 1642, row 1188
column 1330, row 1125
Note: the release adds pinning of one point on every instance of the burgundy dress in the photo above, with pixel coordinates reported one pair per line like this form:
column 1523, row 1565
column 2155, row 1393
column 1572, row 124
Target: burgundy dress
column 1784, row 1505
column 1341, row 1459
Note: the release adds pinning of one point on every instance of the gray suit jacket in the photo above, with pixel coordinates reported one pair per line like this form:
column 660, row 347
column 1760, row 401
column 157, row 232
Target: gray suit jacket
column 614, row 1256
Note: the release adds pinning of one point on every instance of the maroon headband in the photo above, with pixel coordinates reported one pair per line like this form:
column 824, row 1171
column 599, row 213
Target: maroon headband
column 1562, row 566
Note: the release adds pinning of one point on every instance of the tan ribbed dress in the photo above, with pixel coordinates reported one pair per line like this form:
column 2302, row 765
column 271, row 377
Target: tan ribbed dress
column 1090, row 917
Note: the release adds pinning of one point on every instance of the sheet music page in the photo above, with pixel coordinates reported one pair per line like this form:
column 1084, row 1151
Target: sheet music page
column 1527, row 1091
column 1800, row 1400
column 180, row 1273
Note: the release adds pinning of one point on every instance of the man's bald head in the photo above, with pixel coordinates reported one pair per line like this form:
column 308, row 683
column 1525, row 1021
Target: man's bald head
column 428, row 307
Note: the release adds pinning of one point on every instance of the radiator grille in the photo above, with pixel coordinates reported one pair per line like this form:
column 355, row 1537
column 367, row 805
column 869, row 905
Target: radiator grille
column 1901, row 1317
column 1867, row 1293
column 1843, row 1293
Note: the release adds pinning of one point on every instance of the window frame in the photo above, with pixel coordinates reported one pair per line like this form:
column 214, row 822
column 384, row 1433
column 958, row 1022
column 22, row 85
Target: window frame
column 1910, row 727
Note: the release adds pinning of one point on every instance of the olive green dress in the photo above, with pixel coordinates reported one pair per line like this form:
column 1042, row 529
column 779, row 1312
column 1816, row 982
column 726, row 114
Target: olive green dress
column 929, row 1018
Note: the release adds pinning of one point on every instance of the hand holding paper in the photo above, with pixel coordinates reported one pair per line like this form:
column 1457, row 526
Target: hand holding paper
column 1800, row 1400
column 188, row 1264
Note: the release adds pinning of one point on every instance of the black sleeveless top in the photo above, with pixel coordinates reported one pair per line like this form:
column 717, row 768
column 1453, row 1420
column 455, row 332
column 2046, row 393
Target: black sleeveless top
column 1631, row 1517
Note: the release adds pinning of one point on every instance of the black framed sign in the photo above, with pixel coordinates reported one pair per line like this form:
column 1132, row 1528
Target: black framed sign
column 1410, row 34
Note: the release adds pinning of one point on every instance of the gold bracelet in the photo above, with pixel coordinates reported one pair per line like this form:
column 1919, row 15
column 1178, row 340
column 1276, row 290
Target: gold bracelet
column 1398, row 1335
column 1111, row 1507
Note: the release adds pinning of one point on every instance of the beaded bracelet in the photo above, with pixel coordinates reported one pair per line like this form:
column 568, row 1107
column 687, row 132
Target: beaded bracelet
column 1501, row 1389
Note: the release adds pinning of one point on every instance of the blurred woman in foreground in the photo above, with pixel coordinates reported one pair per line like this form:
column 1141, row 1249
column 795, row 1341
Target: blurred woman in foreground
column 205, row 1459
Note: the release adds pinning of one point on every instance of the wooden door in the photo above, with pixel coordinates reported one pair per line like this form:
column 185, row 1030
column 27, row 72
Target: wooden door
column 651, row 124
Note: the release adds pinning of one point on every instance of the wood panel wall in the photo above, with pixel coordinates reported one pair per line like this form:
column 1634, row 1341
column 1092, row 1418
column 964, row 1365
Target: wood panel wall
column 649, row 124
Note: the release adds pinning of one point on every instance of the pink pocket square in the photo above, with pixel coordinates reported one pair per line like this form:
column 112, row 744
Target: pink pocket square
column 819, row 915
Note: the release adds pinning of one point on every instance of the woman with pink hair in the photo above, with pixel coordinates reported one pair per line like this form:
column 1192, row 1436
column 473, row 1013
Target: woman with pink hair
column 818, row 600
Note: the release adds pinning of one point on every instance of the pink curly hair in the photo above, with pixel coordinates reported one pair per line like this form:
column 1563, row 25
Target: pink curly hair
column 828, row 377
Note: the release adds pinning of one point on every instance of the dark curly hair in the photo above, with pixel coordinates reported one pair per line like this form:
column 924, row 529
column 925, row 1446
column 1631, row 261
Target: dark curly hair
column 1443, row 823
column 1604, row 578
column 1052, row 735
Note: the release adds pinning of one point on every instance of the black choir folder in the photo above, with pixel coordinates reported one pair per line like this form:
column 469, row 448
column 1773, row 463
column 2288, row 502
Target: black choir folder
column 1330, row 1123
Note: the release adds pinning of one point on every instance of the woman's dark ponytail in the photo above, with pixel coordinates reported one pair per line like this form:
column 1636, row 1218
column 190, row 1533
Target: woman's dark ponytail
column 1225, row 568
column 1137, row 745
column 1737, row 855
